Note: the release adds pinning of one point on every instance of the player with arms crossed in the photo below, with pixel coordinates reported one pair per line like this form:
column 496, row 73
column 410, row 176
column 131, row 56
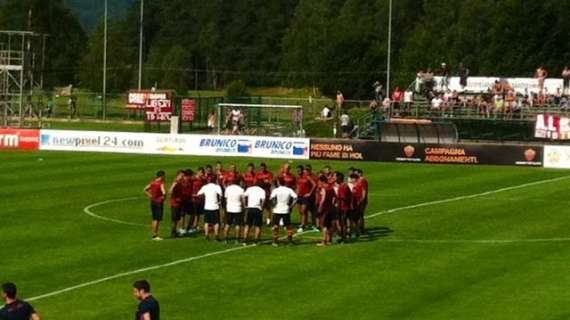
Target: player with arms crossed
column 212, row 195
column 156, row 193
column 15, row 309
column 186, row 206
column 234, row 209
column 149, row 308
column 255, row 198
column 284, row 199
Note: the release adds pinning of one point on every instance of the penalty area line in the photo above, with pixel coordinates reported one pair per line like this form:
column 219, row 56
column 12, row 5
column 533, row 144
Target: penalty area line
column 216, row 253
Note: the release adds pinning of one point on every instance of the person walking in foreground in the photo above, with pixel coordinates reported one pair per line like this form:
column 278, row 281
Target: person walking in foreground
column 15, row 309
column 149, row 308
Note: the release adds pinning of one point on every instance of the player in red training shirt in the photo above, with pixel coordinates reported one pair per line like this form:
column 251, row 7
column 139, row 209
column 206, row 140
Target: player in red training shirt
column 343, row 204
column 220, row 174
column 210, row 173
column 326, row 210
column 305, row 189
column 288, row 178
column 197, row 209
column 156, row 193
column 357, row 201
column 186, row 207
column 175, row 193
column 266, row 178
column 231, row 176
column 312, row 208
column 248, row 178
column 364, row 202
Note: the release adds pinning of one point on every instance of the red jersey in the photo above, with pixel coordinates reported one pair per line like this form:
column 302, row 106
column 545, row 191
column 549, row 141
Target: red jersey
column 249, row 179
column 329, row 198
column 289, row 180
column 231, row 178
column 197, row 184
column 267, row 179
column 176, row 196
column 186, row 193
column 221, row 176
column 155, row 190
column 304, row 185
column 357, row 195
column 344, row 197
column 364, row 183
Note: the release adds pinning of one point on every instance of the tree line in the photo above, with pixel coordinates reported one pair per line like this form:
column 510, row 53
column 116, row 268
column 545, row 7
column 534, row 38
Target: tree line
column 325, row 44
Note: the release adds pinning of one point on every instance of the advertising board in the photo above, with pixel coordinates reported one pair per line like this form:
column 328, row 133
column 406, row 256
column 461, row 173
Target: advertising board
column 557, row 157
column 19, row 139
column 198, row 145
column 472, row 154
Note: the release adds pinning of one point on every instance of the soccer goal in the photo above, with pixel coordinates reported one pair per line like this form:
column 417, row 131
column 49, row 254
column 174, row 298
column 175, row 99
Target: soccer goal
column 260, row 120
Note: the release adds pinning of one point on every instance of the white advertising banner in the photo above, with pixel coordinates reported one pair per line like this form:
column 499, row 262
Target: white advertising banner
column 483, row 84
column 168, row 144
column 557, row 157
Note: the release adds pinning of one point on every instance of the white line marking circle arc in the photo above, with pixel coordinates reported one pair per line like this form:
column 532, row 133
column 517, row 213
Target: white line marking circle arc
column 215, row 253
column 88, row 210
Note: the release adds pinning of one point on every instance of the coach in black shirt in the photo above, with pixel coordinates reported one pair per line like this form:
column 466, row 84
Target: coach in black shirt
column 15, row 309
column 149, row 308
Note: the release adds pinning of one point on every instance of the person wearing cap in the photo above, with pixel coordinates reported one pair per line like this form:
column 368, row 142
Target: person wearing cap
column 15, row 309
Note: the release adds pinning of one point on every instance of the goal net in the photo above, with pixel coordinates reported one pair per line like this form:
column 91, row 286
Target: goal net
column 260, row 120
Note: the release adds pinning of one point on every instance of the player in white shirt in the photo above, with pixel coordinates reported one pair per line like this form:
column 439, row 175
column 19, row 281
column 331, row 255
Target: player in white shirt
column 234, row 210
column 212, row 195
column 255, row 202
column 284, row 199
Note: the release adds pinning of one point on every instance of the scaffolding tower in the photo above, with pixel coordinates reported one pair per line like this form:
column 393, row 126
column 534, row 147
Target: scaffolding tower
column 19, row 70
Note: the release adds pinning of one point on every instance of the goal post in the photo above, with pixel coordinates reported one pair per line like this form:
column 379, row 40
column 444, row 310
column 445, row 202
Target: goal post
column 260, row 119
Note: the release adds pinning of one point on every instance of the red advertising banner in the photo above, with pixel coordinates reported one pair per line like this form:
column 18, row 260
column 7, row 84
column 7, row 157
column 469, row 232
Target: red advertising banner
column 19, row 139
column 188, row 110
column 137, row 99
column 158, row 110
column 552, row 127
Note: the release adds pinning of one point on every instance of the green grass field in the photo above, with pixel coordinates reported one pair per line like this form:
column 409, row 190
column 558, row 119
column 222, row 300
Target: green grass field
column 441, row 254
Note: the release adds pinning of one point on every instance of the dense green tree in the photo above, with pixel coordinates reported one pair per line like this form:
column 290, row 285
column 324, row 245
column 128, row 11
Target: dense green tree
column 67, row 40
column 121, row 60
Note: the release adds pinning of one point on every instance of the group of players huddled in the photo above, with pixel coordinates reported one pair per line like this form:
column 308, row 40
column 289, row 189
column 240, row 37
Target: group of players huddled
column 327, row 202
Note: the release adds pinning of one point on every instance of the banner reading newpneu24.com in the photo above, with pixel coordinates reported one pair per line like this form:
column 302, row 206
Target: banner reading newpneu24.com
column 197, row 145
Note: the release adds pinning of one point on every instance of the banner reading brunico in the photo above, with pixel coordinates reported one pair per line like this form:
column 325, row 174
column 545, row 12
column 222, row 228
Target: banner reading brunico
column 19, row 139
column 151, row 143
column 426, row 153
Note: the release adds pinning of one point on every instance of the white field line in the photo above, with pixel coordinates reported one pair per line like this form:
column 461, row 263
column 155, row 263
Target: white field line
column 88, row 211
column 220, row 252
column 477, row 195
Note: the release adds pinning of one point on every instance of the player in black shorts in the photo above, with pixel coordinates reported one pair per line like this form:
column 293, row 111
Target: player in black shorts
column 15, row 309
